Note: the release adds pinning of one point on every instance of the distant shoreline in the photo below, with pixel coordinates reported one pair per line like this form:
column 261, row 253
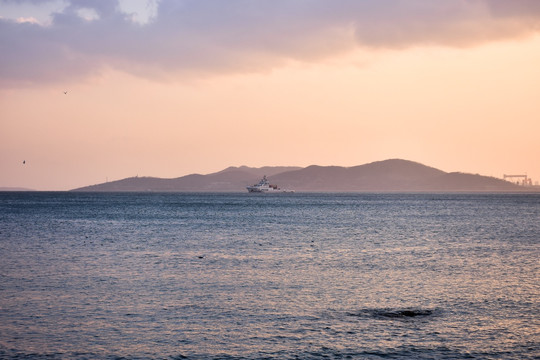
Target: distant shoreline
column 16, row 189
column 387, row 176
column 536, row 190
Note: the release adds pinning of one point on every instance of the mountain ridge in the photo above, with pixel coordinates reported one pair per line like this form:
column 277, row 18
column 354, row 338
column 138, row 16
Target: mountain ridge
column 392, row 175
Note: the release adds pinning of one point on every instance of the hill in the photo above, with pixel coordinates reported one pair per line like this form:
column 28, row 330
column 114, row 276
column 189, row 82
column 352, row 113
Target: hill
column 389, row 175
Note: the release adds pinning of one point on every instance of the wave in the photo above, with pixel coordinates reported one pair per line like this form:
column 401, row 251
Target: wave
column 414, row 352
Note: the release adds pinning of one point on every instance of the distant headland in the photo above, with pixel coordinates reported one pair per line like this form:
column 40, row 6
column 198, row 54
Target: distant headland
column 394, row 175
column 15, row 189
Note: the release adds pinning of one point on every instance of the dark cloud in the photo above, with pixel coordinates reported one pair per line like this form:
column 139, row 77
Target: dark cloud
column 505, row 8
column 245, row 35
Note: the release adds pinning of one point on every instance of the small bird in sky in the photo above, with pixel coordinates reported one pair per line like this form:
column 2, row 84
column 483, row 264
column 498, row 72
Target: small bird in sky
column 24, row 162
column 65, row 92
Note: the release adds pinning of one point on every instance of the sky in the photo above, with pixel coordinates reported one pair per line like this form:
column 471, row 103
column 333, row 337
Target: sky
column 100, row 90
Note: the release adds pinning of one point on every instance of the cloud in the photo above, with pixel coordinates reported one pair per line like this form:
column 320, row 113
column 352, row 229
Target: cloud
column 211, row 36
column 21, row 2
column 27, row 20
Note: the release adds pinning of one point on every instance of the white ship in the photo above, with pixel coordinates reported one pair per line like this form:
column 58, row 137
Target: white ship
column 265, row 186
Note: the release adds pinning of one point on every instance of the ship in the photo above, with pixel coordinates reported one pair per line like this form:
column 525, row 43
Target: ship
column 264, row 186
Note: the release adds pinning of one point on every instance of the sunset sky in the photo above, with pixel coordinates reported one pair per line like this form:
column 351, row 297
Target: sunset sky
column 173, row 87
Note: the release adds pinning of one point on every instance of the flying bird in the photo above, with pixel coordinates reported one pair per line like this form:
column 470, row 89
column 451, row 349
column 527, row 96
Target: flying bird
column 65, row 92
column 24, row 162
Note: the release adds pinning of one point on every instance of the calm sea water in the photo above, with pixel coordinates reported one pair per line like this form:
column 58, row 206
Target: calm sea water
column 289, row 276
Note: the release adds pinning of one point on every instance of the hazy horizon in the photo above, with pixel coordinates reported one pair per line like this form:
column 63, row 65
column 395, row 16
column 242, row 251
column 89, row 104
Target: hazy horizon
column 105, row 90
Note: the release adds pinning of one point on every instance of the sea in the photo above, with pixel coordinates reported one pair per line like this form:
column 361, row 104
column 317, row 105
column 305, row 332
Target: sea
column 269, row 276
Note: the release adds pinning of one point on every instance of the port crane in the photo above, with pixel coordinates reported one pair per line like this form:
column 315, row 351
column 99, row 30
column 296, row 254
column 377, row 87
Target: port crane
column 525, row 182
